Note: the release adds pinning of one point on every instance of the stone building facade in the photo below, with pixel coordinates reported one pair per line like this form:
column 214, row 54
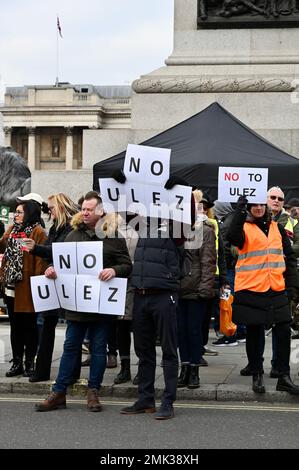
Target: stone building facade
column 45, row 124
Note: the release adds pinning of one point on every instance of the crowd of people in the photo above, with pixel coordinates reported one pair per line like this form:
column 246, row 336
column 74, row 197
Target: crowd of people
column 173, row 292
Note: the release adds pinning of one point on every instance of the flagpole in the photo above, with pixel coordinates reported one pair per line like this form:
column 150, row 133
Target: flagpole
column 57, row 54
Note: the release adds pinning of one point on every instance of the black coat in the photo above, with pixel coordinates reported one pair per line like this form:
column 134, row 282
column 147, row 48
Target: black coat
column 266, row 308
column 55, row 236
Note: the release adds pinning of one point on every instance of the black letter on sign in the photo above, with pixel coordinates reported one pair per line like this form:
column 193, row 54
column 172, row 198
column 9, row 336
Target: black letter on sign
column 63, row 293
column 156, row 199
column 40, row 292
column 180, row 198
column 114, row 290
column 133, row 195
column 93, row 259
column 110, row 196
column 160, row 170
column 86, row 292
column 133, row 164
column 67, row 262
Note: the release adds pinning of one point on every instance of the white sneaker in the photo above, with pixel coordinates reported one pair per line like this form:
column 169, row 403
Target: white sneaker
column 210, row 352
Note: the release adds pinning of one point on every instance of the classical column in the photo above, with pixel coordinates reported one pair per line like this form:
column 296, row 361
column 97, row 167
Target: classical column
column 7, row 134
column 69, row 149
column 31, row 148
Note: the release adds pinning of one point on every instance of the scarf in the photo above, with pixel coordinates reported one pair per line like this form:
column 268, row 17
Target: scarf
column 13, row 255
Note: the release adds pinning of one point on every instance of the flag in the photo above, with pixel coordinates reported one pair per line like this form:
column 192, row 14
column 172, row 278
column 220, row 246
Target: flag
column 59, row 27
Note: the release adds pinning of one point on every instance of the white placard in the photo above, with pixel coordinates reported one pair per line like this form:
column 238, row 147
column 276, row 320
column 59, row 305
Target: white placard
column 147, row 164
column 43, row 293
column 90, row 258
column 65, row 257
column 66, row 290
column 113, row 195
column 157, row 201
column 250, row 182
column 136, row 198
column 180, row 203
column 113, row 296
column 87, row 293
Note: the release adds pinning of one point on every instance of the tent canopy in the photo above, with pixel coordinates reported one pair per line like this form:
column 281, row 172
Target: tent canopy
column 213, row 138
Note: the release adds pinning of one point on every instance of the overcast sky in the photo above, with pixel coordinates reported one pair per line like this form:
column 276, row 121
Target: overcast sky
column 105, row 42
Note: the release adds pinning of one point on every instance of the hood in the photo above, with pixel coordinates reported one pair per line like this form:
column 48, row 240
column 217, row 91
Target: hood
column 106, row 226
column 221, row 209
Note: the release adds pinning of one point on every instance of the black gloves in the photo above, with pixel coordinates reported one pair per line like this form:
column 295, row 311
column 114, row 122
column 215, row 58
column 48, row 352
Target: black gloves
column 242, row 203
column 119, row 176
column 173, row 180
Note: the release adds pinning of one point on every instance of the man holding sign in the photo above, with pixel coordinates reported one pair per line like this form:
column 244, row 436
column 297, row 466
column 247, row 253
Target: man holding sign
column 116, row 262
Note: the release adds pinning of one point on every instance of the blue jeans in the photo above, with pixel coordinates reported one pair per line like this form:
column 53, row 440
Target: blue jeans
column 98, row 333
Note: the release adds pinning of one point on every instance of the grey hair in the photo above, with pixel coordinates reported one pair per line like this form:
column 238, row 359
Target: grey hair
column 277, row 188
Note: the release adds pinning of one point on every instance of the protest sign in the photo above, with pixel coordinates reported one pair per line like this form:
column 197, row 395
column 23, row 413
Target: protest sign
column 66, row 287
column 65, row 257
column 87, row 293
column 113, row 296
column 249, row 182
column 147, row 164
column 89, row 258
column 44, row 294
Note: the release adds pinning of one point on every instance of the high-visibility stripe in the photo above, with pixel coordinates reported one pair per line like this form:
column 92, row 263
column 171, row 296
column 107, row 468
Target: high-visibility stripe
column 254, row 267
column 270, row 251
column 261, row 263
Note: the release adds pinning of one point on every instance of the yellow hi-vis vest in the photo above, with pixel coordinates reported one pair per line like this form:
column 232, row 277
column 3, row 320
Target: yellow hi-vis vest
column 260, row 264
column 216, row 228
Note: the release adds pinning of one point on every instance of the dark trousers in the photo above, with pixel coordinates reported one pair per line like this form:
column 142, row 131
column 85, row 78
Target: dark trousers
column 46, row 347
column 112, row 340
column 212, row 310
column 190, row 317
column 155, row 315
column 255, row 354
column 23, row 332
column 124, row 328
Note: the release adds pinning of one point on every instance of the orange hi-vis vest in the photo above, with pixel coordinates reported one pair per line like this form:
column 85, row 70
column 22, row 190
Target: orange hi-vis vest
column 260, row 264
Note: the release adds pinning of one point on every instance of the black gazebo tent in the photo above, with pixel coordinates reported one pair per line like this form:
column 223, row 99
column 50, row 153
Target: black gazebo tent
column 213, row 138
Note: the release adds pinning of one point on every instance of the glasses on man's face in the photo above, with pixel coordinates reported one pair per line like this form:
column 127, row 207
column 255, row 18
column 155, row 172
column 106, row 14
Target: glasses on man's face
column 279, row 198
column 19, row 212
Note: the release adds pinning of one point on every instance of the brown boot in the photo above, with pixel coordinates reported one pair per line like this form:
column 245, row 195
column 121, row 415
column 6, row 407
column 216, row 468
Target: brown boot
column 54, row 401
column 93, row 402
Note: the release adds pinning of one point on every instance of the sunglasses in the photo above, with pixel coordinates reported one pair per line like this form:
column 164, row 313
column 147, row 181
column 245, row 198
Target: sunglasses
column 279, row 198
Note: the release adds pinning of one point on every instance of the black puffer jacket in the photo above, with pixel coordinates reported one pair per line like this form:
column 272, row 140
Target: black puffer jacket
column 55, row 236
column 199, row 268
column 266, row 308
column 156, row 264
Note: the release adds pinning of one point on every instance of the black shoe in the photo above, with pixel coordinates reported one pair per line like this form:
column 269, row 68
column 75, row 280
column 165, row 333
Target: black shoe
column 137, row 409
column 136, row 379
column 29, row 368
column 194, row 378
column 274, row 374
column 258, row 383
column 37, row 378
column 124, row 374
column 16, row 368
column 183, row 379
column 246, row 371
column 86, row 363
column 165, row 412
column 203, row 363
column 285, row 384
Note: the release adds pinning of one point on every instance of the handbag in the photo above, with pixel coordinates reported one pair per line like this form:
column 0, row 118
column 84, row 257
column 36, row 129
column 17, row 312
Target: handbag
column 227, row 327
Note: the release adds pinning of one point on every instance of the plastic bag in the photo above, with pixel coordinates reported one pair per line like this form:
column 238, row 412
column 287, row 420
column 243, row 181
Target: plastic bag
column 227, row 327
